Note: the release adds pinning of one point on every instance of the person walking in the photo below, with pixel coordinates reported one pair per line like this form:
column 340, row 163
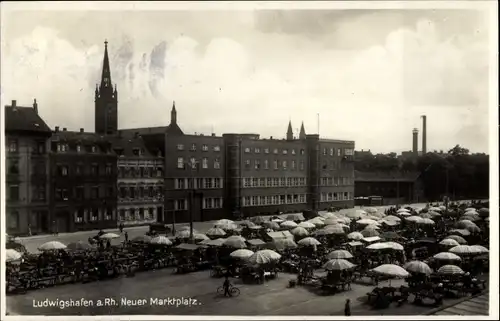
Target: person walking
column 347, row 308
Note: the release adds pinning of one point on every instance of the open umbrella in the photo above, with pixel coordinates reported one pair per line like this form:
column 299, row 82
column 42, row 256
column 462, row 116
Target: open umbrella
column 390, row 223
column 224, row 222
column 473, row 229
column 457, row 238
column 200, row 237
column 299, row 231
column 390, row 235
column 484, row 211
column 241, row 254
column 479, row 249
column 366, row 221
column 285, row 243
column 401, row 210
column 236, row 242
column 288, row 224
column 450, row 269
column 258, row 219
column 79, row 246
column 332, row 221
column 12, row 255
column 395, row 246
column 52, row 245
column 327, row 215
column 161, row 240
column 462, row 232
column 463, row 250
column 339, row 254
column 464, row 223
column 370, row 210
column 418, row 267
column 355, row 236
column 449, row 242
column 358, row 214
column 338, row 265
column 425, row 215
column 334, row 229
column 372, row 227
column 392, row 218
column 415, row 219
column 370, row 233
column 426, row 221
column 272, row 225
column 447, row 256
column 216, row 242
column 309, row 241
column 378, row 246
column 264, row 257
column 295, row 217
column 435, row 209
column 306, row 225
column 216, row 231
column 391, row 270
column 109, row 236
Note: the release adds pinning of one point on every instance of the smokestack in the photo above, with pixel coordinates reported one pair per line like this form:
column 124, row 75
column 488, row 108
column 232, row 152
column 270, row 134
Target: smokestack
column 415, row 141
column 424, row 135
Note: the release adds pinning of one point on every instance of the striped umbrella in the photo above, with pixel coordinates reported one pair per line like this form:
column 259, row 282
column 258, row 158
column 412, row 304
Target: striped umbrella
column 162, row 240
column 264, row 257
column 355, row 236
column 299, row 231
column 235, row 241
column 418, row 267
column 52, row 245
column 339, row 254
column 447, row 256
column 338, row 265
column 449, row 242
column 309, row 241
column 216, row 231
column 462, row 249
column 450, row 269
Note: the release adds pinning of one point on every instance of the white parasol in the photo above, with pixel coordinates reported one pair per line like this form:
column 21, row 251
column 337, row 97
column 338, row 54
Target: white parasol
column 447, row 256
column 306, row 225
column 109, row 236
column 12, row 255
column 355, row 236
column 418, row 267
column 288, row 224
column 339, row 254
column 338, row 265
column 264, row 257
column 309, row 241
column 391, row 270
column 52, row 245
column 162, row 240
column 241, row 254
column 450, row 269
column 216, row 231
column 449, row 242
column 236, row 242
column 299, row 231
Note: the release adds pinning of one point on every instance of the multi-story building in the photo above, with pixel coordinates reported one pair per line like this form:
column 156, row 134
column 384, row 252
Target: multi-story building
column 140, row 181
column 26, row 169
column 83, row 170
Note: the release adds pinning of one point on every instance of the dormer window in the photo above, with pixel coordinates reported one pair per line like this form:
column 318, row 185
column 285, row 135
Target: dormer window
column 136, row 151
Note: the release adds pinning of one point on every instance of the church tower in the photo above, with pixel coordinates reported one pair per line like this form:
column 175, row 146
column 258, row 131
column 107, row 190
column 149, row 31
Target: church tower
column 302, row 134
column 289, row 132
column 106, row 101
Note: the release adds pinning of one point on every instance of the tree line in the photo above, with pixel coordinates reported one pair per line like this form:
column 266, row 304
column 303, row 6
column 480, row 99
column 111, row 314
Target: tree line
column 456, row 173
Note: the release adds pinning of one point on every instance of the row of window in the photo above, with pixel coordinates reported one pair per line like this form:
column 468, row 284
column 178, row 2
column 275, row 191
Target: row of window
column 92, row 170
column 140, row 192
column 194, row 163
column 336, row 181
column 339, row 196
column 38, row 147
column 138, row 214
column 204, row 147
column 276, row 164
column 198, row 183
column 274, row 182
column 257, row 150
column 82, row 193
column 64, row 147
column 137, row 172
column 273, row 200
column 212, row 202
column 331, row 151
column 94, row 214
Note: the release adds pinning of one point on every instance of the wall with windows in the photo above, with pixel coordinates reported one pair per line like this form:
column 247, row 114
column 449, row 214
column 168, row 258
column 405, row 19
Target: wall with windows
column 194, row 162
column 26, row 185
column 83, row 182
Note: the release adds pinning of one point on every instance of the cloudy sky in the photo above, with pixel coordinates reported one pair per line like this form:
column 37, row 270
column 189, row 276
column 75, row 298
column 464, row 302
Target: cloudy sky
column 370, row 74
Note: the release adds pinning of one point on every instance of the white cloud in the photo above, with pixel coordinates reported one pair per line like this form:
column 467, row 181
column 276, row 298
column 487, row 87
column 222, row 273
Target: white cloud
column 253, row 81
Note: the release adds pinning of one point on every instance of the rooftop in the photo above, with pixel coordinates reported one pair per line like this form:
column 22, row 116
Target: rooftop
column 24, row 119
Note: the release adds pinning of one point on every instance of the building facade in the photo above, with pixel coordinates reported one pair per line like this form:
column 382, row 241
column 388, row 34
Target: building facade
column 26, row 170
column 83, row 172
column 140, row 193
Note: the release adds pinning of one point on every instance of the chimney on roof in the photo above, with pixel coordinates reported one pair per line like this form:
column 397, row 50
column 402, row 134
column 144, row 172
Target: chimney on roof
column 271, row 137
column 65, row 129
column 14, row 103
column 35, row 105
column 56, row 129
column 213, row 134
column 81, row 130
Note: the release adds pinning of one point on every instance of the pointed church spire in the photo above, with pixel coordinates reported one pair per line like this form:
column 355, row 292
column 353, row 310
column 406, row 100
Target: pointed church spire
column 302, row 134
column 289, row 132
column 106, row 71
column 173, row 114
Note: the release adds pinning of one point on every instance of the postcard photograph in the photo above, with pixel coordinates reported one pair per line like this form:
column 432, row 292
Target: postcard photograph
column 254, row 159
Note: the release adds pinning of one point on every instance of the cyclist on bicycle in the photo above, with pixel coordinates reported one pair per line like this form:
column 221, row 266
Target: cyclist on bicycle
column 226, row 286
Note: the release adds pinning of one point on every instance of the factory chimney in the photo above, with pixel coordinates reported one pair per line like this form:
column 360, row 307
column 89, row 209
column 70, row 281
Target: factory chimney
column 424, row 135
column 415, row 142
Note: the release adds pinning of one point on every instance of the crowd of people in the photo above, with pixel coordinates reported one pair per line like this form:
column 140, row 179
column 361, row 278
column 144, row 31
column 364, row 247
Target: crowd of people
column 426, row 246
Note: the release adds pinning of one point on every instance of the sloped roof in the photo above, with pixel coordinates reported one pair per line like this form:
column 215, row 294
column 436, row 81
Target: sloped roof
column 129, row 144
column 25, row 119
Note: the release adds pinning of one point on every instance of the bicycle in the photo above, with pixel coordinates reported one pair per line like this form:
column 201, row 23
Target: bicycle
column 233, row 291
